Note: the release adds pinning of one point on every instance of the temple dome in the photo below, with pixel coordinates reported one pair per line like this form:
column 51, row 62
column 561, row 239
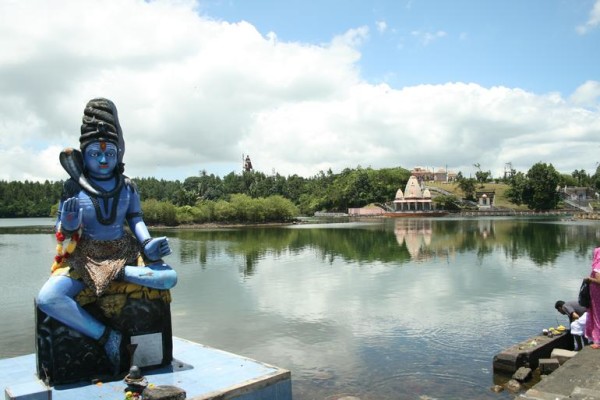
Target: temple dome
column 413, row 189
column 399, row 195
column 426, row 194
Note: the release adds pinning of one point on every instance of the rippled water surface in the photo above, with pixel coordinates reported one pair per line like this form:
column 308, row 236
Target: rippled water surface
column 394, row 309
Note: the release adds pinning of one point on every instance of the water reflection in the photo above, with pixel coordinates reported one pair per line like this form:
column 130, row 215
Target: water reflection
column 415, row 235
column 541, row 241
column 396, row 240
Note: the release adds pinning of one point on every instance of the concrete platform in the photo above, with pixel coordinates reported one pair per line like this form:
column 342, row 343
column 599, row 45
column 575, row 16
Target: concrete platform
column 578, row 379
column 203, row 372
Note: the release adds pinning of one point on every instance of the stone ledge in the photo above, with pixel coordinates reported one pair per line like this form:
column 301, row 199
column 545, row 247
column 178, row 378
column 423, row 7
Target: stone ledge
column 529, row 352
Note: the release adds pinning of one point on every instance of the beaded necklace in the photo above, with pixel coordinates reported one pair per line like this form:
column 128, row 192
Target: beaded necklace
column 106, row 196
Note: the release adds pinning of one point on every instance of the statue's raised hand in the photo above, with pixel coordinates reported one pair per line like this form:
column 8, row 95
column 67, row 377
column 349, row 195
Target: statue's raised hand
column 157, row 248
column 71, row 214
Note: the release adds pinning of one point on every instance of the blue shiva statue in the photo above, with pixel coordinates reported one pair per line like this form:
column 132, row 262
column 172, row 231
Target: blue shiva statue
column 96, row 203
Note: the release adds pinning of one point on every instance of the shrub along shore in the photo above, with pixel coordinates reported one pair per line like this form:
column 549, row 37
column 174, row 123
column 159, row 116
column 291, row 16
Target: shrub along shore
column 240, row 209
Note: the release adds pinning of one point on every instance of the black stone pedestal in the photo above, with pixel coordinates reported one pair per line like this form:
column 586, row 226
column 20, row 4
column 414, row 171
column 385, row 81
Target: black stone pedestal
column 66, row 356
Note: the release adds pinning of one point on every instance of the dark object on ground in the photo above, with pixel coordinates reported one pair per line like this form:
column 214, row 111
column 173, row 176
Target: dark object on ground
column 164, row 392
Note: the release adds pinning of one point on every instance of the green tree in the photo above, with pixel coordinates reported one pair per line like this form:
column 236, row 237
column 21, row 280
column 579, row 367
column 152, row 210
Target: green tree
column 467, row 185
column 233, row 183
column 581, row 177
column 161, row 190
column 183, row 197
column 449, row 203
column 205, row 187
column 28, row 199
column 482, row 176
column 542, row 182
column 595, row 179
column 568, row 180
column 295, row 187
column 518, row 185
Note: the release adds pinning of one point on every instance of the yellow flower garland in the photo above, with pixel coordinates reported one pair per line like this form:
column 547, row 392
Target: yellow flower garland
column 61, row 254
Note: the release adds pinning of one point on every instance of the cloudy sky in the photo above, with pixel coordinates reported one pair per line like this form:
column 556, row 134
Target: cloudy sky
column 304, row 86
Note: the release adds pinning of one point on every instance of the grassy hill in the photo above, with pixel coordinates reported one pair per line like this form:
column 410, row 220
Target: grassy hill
column 499, row 188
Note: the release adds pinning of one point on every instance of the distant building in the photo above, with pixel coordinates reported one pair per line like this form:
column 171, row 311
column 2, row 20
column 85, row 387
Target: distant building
column 444, row 175
column 426, row 175
column 366, row 211
column 422, row 174
column 485, row 199
column 578, row 193
column 413, row 198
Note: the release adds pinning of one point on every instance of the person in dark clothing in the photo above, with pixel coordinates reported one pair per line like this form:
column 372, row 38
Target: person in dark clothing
column 577, row 318
column 571, row 309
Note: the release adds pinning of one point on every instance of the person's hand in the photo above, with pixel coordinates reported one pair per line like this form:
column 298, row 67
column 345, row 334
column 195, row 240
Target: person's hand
column 157, row 248
column 71, row 214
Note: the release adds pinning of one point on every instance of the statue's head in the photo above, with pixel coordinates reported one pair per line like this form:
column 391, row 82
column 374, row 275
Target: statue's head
column 100, row 159
column 100, row 126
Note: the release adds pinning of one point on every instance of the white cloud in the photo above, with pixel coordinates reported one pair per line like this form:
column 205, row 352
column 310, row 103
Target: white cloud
column 427, row 38
column 381, row 26
column 195, row 93
column 587, row 95
column 432, row 125
column 593, row 20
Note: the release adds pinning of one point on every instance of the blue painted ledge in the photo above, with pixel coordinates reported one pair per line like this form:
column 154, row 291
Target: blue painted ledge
column 203, row 372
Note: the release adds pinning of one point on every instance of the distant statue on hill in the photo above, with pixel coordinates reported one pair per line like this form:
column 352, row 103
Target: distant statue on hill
column 247, row 164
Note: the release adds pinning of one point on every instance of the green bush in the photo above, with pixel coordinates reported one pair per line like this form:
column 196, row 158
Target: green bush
column 159, row 212
column 224, row 211
column 184, row 215
column 198, row 214
column 278, row 208
column 241, row 208
column 205, row 211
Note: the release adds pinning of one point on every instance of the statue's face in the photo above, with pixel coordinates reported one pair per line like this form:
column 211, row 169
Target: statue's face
column 100, row 159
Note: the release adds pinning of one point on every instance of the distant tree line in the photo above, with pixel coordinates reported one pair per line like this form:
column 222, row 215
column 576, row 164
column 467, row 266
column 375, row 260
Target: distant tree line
column 252, row 196
column 207, row 197
column 325, row 191
column 28, row 199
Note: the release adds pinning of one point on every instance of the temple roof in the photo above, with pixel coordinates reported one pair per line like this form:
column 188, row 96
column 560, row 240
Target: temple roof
column 413, row 189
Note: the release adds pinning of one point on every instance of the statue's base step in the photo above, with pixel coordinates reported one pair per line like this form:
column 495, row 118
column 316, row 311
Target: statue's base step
column 66, row 356
column 203, row 372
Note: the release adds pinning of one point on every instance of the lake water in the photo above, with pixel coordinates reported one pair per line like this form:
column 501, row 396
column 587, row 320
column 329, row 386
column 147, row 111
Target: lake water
column 387, row 309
